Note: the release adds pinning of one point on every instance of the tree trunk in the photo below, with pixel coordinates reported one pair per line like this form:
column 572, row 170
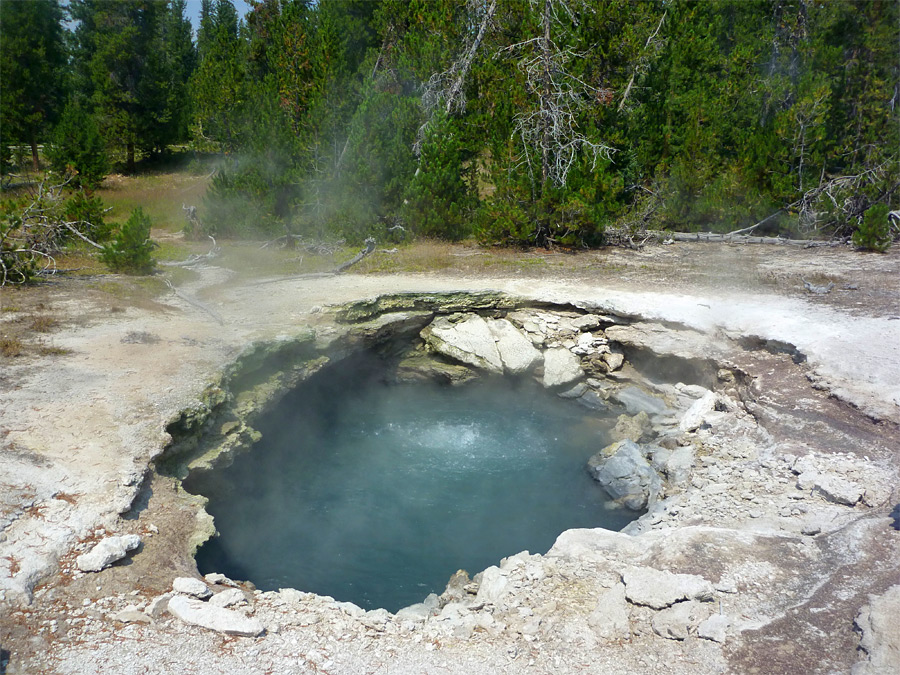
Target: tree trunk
column 35, row 162
column 545, row 99
column 129, row 161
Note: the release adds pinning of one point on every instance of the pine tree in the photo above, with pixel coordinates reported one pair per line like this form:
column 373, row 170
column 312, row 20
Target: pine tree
column 32, row 59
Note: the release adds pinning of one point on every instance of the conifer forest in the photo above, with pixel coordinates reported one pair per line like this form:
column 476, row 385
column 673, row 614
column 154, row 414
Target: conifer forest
column 521, row 122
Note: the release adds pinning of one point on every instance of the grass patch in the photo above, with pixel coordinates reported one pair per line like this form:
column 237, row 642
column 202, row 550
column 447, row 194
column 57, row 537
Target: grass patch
column 80, row 260
column 160, row 195
column 51, row 350
column 43, row 323
column 10, row 346
column 133, row 289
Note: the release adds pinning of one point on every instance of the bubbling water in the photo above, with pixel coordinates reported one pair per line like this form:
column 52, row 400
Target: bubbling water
column 376, row 493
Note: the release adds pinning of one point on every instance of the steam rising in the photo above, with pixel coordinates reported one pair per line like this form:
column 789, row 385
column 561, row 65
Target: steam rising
column 377, row 494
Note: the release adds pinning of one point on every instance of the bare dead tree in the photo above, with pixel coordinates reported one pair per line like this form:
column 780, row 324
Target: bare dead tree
column 444, row 90
column 840, row 201
column 31, row 238
column 550, row 130
column 642, row 65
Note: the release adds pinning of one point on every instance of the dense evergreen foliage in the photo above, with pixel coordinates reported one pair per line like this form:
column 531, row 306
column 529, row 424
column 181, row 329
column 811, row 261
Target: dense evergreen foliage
column 518, row 121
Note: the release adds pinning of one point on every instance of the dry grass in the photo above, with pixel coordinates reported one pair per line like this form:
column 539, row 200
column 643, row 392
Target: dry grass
column 10, row 346
column 52, row 350
column 43, row 323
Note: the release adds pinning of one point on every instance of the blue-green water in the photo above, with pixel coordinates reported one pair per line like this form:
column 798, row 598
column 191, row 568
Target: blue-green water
column 377, row 494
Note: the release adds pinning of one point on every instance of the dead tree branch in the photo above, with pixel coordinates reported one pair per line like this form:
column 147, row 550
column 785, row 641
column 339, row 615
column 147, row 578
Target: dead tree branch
column 195, row 258
column 448, row 85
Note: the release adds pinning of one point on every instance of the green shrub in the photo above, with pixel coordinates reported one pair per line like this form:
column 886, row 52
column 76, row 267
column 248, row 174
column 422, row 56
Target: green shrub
column 130, row 250
column 874, row 233
column 87, row 214
column 77, row 145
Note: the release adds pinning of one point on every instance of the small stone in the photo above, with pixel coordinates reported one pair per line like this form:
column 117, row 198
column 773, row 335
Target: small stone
column 106, row 552
column 217, row 578
column 613, row 360
column 191, row 586
column 131, row 615
column 807, row 480
column 228, row 598
column 694, row 417
column 586, row 322
column 158, row 605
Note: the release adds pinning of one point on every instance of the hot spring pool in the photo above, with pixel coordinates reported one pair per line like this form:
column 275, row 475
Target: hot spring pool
column 376, row 494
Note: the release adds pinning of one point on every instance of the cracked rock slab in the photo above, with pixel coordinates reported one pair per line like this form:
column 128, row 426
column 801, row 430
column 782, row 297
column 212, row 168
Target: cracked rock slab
column 219, row 619
column 659, row 589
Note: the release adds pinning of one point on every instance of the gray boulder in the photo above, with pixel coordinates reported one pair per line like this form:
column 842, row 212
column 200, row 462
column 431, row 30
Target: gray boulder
column 636, row 401
column 106, row 552
column 625, row 474
column 199, row 613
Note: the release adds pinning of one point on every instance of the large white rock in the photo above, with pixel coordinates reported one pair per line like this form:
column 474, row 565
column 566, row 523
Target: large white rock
column 191, row 586
column 561, row 367
column 493, row 585
column 106, row 552
column 658, row 588
column 517, row 352
column 695, row 415
column 199, row 613
column 468, row 341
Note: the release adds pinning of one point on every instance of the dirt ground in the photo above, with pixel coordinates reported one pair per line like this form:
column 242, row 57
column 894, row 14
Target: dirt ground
column 92, row 368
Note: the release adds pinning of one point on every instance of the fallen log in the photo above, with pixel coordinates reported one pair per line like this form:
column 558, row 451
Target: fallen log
column 626, row 238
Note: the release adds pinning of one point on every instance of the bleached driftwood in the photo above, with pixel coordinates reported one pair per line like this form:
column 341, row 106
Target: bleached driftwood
column 195, row 258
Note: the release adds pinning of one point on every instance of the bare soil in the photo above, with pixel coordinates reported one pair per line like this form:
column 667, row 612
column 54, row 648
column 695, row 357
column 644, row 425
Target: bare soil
column 92, row 368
